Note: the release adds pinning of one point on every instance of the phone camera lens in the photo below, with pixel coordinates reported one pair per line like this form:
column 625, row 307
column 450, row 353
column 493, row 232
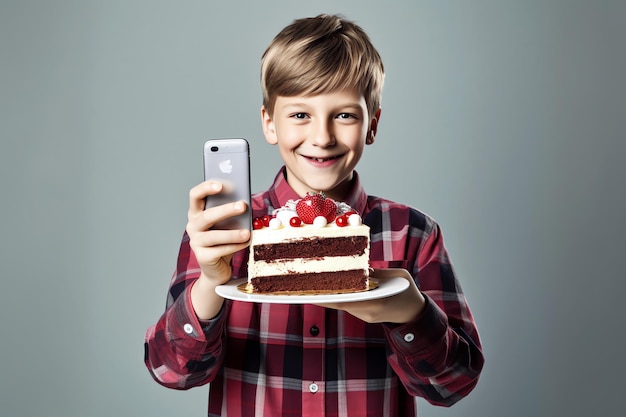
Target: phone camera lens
column 214, row 148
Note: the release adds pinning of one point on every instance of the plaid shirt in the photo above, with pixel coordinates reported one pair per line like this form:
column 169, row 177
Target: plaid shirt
column 305, row 360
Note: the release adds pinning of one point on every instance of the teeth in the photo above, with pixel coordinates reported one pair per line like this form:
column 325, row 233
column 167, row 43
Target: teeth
column 321, row 159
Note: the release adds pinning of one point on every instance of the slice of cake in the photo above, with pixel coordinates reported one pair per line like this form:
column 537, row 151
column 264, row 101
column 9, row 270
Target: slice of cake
column 311, row 245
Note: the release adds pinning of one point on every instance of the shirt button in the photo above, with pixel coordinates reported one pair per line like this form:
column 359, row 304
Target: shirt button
column 409, row 337
column 188, row 328
column 314, row 387
column 314, row 331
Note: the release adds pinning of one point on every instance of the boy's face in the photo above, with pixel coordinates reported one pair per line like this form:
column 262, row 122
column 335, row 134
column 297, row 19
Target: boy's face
column 320, row 138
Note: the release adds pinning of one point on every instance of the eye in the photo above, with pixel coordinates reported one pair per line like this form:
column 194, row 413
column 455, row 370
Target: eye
column 346, row 116
column 299, row 116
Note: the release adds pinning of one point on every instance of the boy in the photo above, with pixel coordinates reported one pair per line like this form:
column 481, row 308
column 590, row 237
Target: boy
column 322, row 82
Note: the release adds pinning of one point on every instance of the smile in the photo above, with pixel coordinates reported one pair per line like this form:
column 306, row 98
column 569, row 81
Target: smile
column 322, row 159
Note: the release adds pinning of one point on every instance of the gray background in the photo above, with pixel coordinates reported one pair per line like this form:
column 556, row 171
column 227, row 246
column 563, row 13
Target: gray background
column 502, row 119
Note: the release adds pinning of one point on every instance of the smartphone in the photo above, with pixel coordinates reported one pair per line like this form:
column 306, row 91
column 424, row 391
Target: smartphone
column 228, row 161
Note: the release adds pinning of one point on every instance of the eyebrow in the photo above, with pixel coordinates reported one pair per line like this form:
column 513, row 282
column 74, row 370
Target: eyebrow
column 341, row 106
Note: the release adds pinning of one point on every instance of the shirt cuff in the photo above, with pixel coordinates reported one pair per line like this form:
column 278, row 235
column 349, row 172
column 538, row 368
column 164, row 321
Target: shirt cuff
column 428, row 329
column 183, row 323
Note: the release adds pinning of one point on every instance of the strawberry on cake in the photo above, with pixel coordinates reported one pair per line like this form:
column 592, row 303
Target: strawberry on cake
column 310, row 245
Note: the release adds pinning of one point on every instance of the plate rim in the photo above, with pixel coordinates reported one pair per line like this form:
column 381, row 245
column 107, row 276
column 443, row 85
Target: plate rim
column 397, row 283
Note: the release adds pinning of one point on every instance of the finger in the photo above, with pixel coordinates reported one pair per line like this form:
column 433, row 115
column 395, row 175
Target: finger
column 333, row 306
column 210, row 256
column 213, row 215
column 365, row 310
column 200, row 192
column 390, row 273
column 221, row 237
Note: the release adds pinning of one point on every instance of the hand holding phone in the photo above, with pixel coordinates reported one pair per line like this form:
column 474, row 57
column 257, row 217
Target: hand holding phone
column 228, row 161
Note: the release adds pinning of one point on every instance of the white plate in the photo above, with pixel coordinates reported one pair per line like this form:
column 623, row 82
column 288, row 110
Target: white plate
column 386, row 287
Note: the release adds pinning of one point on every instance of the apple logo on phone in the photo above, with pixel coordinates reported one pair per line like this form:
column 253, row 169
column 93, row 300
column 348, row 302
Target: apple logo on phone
column 226, row 167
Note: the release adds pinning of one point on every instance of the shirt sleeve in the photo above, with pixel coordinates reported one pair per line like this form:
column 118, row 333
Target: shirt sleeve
column 438, row 356
column 180, row 351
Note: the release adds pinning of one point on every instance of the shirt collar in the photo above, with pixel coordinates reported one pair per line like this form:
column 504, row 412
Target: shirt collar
column 280, row 192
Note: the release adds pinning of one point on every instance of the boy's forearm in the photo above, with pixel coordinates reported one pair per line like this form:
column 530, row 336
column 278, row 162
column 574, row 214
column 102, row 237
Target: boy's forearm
column 206, row 303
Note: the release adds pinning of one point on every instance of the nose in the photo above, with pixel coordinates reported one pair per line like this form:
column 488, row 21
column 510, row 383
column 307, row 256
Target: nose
column 323, row 136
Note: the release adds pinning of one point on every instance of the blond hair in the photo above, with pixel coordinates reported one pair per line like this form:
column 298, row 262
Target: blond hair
column 318, row 55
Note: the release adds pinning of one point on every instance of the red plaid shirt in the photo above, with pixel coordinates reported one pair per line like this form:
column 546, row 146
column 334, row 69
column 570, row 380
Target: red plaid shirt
column 305, row 360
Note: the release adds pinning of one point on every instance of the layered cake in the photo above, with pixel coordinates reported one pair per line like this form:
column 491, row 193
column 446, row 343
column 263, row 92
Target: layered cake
column 310, row 245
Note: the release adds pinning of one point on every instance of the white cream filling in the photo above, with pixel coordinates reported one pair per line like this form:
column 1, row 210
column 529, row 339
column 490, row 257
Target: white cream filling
column 300, row 266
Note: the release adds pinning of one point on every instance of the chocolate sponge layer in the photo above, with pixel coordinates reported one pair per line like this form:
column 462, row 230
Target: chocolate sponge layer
column 323, row 282
column 311, row 248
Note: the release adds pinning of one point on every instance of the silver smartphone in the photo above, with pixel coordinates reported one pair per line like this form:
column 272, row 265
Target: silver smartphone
column 228, row 161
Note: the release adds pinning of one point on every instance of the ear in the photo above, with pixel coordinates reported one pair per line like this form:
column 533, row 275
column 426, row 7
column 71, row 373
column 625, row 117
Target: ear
column 269, row 130
column 373, row 128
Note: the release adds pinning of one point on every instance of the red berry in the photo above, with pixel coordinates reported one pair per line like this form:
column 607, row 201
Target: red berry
column 295, row 221
column 342, row 221
column 308, row 207
column 313, row 205
column 257, row 224
column 266, row 220
column 329, row 210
